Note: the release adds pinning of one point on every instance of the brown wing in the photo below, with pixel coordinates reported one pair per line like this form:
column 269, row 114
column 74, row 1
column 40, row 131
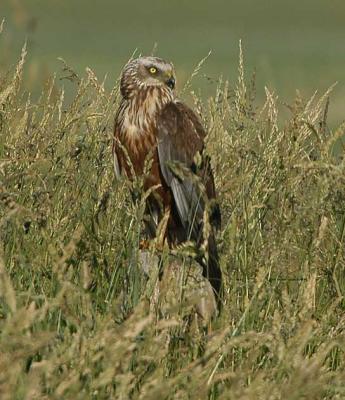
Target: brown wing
column 181, row 140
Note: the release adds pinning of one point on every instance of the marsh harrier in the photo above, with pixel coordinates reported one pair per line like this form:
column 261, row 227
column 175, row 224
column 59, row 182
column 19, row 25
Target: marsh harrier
column 152, row 122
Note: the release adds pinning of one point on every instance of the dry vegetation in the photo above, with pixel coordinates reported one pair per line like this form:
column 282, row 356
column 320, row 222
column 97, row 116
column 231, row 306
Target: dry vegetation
column 75, row 319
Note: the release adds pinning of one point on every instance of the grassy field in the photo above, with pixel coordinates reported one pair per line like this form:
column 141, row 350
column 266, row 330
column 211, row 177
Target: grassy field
column 79, row 320
column 291, row 45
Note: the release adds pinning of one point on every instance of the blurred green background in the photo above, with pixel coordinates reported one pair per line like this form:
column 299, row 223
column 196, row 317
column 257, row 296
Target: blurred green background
column 291, row 44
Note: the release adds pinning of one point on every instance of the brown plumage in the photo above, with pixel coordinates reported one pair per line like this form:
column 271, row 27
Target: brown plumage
column 152, row 121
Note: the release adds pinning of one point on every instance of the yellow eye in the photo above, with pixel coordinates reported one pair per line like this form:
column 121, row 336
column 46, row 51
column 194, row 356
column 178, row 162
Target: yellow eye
column 153, row 70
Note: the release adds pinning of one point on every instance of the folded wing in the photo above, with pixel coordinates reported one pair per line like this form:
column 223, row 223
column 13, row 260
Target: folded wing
column 187, row 171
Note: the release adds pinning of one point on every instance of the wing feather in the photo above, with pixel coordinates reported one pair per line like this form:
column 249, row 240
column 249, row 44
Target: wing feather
column 178, row 141
column 180, row 138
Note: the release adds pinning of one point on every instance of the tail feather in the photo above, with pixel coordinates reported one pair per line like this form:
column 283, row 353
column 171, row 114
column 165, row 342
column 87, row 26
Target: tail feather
column 211, row 269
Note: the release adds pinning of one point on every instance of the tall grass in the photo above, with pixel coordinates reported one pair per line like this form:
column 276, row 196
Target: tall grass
column 79, row 319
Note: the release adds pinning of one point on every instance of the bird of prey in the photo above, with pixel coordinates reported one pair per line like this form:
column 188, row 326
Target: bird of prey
column 152, row 122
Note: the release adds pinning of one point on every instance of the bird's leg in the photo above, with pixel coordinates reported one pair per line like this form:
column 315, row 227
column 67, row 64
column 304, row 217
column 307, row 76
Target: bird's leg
column 145, row 244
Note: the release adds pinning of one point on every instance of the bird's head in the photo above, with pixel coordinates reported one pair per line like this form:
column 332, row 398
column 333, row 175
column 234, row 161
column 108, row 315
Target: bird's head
column 146, row 72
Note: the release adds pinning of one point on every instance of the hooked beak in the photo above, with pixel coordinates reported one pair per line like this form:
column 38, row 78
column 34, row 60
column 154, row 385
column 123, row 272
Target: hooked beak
column 171, row 82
